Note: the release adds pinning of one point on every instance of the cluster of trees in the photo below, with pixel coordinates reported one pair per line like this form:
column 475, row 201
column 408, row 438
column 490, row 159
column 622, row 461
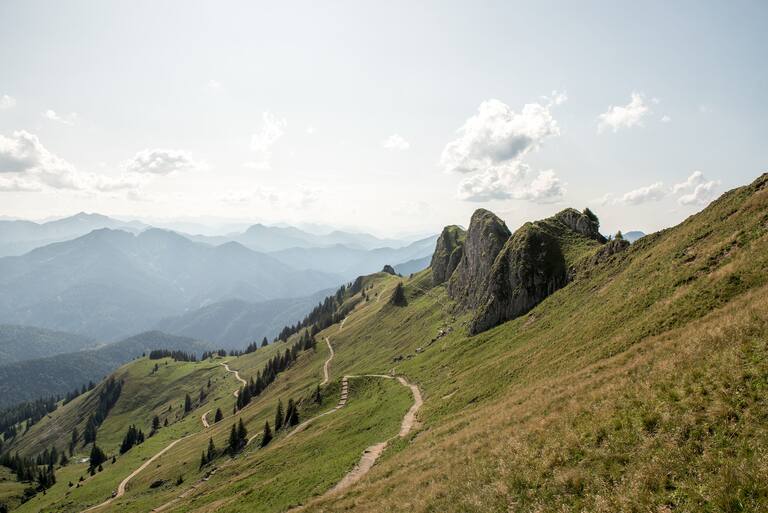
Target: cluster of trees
column 274, row 366
column 238, row 437
column 108, row 396
column 209, row 455
column 179, row 356
column 33, row 411
column 97, row 458
column 27, row 469
column 133, row 437
column 253, row 346
column 330, row 311
column 211, row 354
column 282, row 420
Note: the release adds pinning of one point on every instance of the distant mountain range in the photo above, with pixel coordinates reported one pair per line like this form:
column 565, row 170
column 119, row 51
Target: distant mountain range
column 63, row 373
column 26, row 342
column 111, row 283
column 234, row 323
column 19, row 237
column 633, row 235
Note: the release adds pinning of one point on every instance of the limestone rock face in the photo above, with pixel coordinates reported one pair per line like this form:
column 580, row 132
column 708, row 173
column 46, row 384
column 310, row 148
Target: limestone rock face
column 485, row 238
column 580, row 223
column 448, row 252
column 530, row 267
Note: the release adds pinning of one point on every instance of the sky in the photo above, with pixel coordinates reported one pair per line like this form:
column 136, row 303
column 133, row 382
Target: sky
column 390, row 117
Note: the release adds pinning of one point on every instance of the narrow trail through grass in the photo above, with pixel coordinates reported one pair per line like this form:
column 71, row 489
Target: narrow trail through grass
column 204, row 419
column 124, row 483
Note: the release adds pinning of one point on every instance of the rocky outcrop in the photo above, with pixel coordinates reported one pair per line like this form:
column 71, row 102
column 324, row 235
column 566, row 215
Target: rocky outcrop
column 581, row 222
column 389, row 270
column 448, row 252
column 530, row 267
column 501, row 276
column 609, row 249
column 484, row 239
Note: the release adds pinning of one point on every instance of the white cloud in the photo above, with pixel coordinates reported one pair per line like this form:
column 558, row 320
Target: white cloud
column 626, row 116
column 310, row 130
column 7, row 102
column 160, row 162
column 665, row 119
column 395, row 142
column 214, row 85
column 18, row 184
column 700, row 190
column 23, row 155
column 52, row 116
column 272, row 129
column 301, row 197
column 512, row 182
column 490, row 148
column 654, row 192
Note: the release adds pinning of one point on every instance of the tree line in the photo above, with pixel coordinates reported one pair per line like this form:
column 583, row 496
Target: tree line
column 179, row 356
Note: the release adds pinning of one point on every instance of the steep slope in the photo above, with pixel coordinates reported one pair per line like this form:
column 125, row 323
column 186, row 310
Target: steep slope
column 109, row 284
column 27, row 342
column 639, row 385
column 57, row 375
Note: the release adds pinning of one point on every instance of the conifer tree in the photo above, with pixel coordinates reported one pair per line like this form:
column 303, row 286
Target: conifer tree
column 264, row 342
column 234, row 443
column 211, row 450
column 219, row 415
column 187, row 404
column 267, row 436
column 398, row 296
column 318, row 397
column 292, row 415
column 155, row 423
column 279, row 417
column 242, row 433
column 203, row 459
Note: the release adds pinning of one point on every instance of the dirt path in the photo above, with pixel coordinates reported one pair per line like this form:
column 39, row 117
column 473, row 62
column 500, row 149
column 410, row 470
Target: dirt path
column 327, row 364
column 237, row 376
column 124, row 483
column 372, row 453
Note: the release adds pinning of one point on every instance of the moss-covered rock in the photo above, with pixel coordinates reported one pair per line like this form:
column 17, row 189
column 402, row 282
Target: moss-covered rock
column 484, row 239
column 448, row 252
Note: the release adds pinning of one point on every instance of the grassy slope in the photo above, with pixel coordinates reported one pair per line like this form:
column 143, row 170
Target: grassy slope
column 641, row 386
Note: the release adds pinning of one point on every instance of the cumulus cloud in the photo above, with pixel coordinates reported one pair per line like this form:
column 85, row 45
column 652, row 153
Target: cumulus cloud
column 491, row 145
column 52, row 116
column 159, row 162
column 272, row 129
column 694, row 190
column 395, row 142
column 654, row 192
column 624, row 116
column 23, row 155
column 700, row 191
column 28, row 166
column 7, row 102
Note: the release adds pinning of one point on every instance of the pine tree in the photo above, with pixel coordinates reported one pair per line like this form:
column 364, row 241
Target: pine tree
column 234, row 442
column 264, row 342
column 292, row 417
column 155, row 423
column 619, row 236
column 267, row 436
column 97, row 457
column 279, row 417
column 318, row 397
column 398, row 296
column 219, row 415
column 73, row 440
column 187, row 404
column 90, row 430
column 211, row 450
column 242, row 433
column 64, row 461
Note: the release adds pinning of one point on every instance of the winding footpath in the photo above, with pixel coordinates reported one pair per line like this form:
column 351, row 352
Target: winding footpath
column 124, row 483
column 204, row 418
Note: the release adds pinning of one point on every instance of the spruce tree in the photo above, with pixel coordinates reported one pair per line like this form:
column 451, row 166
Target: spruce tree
column 279, row 417
column 267, row 436
column 292, row 417
column 211, row 450
column 398, row 296
column 219, row 415
column 234, row 443
column 155, row 423
column 264, row 342
column 187, row 404
column 242, row 433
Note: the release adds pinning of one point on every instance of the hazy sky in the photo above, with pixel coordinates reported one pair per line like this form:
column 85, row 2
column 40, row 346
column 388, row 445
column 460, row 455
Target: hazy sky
column 388, row 116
